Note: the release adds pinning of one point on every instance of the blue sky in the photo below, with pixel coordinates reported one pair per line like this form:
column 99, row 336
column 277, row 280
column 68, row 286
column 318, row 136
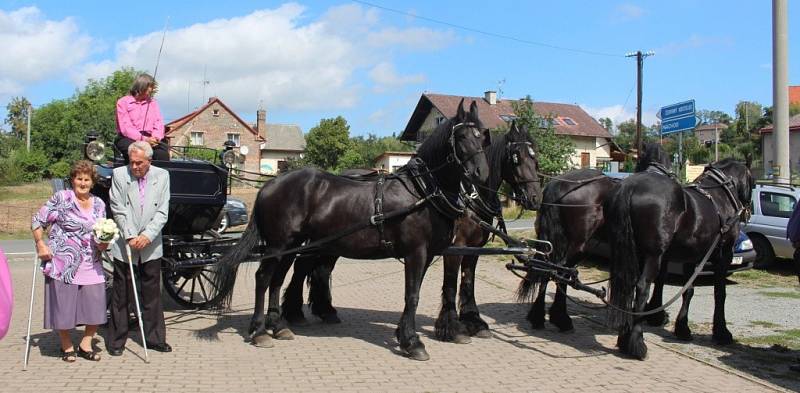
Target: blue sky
column 304, row 61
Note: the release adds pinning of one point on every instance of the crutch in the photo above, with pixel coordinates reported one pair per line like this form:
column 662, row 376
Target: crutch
column 30, row 310
column 136, row 298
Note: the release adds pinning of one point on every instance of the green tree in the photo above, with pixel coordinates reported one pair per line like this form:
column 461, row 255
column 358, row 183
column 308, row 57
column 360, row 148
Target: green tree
column 327, row 142
column 58, row 128
column 713, row 116
column 17, row 116
column 607, row 124
column 555, row 150
column 626, row 134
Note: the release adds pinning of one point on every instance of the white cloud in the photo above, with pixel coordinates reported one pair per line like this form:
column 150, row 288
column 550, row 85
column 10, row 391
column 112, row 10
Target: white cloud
column 626, row 12
column 618, row 114
column 386, row 78
column 275, row 56
column 35, row 48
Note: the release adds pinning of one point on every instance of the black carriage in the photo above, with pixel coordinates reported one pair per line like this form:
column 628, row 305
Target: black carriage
column 191, row 242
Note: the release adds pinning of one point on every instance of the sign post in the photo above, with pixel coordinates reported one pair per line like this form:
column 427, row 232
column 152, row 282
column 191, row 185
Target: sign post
column 678, row 118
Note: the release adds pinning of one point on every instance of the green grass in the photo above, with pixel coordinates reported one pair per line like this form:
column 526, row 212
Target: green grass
column 511, row 213
column 32, row 191
column 787, row 338
column 765, row 278
column 765, row 324
column 18, row 235
column 782, row 295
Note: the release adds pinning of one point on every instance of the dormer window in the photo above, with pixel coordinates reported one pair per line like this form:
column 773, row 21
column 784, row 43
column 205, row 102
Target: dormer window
column 568, row 121
column 215, row 112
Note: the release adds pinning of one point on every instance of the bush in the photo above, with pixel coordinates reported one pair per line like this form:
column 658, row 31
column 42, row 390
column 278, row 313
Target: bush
column 59, row 170
column 32, row 164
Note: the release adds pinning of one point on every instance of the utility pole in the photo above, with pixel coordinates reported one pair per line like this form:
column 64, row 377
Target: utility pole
column 639, row 65
column 28, row 138
column 780, row 89
column 716, row 142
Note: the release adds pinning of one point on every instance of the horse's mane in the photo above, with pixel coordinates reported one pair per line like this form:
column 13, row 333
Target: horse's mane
column 431, row 150
column 652, row 152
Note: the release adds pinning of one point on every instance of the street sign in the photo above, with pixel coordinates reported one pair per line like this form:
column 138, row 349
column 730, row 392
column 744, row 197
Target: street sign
column 678, row 125
column 674, row 111
column 677, row 117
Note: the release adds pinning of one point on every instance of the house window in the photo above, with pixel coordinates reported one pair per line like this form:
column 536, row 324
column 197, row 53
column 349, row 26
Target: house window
column 215, row 113
column 508, row 118
column 234, row 138
column 283, row 166
column 568, row 121
column 196, row 138
column 440, row 120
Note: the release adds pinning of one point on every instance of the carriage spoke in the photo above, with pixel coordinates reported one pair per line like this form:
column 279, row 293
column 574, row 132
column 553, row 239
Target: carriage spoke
column 191, row 294
column 180, row 289
column 202, row 288
column 210, row 281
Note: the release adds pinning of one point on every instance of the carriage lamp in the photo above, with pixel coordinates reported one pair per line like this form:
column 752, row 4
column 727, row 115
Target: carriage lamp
column 94, row 149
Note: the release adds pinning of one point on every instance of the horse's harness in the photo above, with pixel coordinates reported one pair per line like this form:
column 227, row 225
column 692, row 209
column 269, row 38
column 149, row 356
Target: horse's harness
column 726, row 183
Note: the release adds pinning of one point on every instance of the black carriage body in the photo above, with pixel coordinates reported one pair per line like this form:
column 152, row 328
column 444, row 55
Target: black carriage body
column 197, row 195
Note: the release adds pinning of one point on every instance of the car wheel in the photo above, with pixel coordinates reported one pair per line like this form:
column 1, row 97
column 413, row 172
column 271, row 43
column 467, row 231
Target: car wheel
column 765, row 256
column 223, row 224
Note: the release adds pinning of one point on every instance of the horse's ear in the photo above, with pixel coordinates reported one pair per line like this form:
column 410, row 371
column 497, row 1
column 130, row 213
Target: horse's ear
column 473, row 110
column 460, row 114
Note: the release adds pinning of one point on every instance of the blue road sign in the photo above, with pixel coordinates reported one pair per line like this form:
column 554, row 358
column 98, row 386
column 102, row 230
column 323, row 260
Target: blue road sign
column 678, row 125
column 675, row 111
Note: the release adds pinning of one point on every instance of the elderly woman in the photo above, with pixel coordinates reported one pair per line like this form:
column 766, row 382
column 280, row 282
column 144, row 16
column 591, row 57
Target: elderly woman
column 139, row 119
column 74, row 280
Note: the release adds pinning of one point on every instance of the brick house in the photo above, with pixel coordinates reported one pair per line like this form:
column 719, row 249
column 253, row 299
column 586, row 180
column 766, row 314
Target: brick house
column 707, row 132
column 592, row 141
column 768, row 145
column 266, row 145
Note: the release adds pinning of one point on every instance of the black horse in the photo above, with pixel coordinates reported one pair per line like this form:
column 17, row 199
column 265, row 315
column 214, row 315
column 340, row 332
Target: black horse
column 512, row 158
column 310, row 209
column 654, row 219
column 572, row 214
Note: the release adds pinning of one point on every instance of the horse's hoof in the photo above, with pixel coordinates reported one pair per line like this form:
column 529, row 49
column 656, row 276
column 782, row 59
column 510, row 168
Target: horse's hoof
column 284, row 334
column 724, row 338
column 537, row 325
column 418, row 353
column 263, row 341
column 330, row 319
column 683, row 335
column 485, row 333
column 462, row 339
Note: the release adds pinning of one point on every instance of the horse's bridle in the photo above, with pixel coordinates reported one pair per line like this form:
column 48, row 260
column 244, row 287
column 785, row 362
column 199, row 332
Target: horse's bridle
column 515, row 160
column 453, row 157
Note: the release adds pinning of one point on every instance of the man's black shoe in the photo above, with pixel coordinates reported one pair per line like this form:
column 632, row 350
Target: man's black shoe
column 115, row 351
column 160, row 347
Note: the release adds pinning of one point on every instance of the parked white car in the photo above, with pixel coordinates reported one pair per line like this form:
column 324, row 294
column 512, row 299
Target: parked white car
column 772, row 208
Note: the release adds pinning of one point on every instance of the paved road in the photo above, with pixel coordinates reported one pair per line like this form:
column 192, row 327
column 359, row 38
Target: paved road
column 211, row 354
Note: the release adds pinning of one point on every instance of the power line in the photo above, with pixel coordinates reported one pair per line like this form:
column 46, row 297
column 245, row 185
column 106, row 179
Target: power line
column 488, row 33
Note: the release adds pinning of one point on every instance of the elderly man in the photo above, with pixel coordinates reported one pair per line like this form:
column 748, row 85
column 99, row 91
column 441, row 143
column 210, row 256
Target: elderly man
column 140, row 204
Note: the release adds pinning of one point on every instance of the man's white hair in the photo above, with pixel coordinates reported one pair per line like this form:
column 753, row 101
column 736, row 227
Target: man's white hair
column 143, row 147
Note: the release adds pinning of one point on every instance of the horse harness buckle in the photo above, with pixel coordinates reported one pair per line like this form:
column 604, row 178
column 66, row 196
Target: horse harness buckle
column 378, row 218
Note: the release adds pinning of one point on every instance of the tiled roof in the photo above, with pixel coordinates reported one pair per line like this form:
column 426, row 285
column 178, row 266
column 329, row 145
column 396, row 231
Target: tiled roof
column 177, row 123
column 287, row 137
column 794, row 94
column 491, row 115
column 711, row 127
column 794, row 125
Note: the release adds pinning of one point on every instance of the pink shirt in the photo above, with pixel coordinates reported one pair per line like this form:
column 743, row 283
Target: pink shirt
column 131, row 118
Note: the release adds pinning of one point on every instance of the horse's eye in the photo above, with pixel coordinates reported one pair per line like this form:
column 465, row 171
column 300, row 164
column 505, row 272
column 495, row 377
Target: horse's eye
column 531, row 152
column 477, row 133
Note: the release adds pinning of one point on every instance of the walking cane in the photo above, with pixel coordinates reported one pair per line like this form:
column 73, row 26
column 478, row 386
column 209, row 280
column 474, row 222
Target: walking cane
column 136, row 298
column 30, row 311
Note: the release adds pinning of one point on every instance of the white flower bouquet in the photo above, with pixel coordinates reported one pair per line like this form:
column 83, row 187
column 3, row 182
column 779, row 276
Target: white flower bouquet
column 105, row 230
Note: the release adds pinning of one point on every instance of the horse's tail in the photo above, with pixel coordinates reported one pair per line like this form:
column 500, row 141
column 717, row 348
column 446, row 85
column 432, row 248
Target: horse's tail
column 228, row 265
column 550, row 228
column 625, row 268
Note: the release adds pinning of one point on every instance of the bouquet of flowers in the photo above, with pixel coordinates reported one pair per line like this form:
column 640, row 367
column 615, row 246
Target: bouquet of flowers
column 105, row 230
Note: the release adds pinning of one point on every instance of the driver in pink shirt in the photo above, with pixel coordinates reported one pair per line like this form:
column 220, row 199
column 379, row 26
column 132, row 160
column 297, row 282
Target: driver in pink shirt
column 139, row 119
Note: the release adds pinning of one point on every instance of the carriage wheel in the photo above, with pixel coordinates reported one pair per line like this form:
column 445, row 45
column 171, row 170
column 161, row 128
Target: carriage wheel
column 192, row 288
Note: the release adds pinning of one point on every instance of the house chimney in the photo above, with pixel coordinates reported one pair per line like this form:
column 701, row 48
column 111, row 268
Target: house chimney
column 490, row 97
column 261, row 122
